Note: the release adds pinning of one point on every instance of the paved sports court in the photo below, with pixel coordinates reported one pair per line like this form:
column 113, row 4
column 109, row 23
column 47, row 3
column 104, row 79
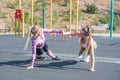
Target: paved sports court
column 13, row 60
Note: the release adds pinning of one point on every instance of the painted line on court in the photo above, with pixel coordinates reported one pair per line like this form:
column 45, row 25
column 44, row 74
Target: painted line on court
column 98, row 59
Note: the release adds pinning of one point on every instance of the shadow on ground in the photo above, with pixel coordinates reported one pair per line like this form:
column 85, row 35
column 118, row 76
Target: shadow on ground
column 62, row 65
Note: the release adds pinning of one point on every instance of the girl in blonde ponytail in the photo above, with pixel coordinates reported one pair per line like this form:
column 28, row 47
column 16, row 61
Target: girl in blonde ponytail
column 39, row 42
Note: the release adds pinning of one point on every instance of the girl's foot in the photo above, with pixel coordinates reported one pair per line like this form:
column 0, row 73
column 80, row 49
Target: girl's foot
column 87, row 59
column 78, row 58
column 56, row 58
column 30, row 67
column 40, row 57
column 92, row 70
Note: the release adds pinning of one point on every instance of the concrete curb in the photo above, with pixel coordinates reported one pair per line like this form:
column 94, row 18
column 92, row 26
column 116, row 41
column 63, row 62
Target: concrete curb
column 6, row 33
column 94, row 34
column 113, row 35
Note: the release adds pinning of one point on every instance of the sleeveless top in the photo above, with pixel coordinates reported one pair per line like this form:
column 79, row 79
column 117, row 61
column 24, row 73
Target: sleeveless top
column 86, row 43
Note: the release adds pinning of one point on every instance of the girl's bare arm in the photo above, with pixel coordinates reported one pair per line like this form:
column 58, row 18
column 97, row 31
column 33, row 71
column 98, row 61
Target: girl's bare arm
column 72, row 34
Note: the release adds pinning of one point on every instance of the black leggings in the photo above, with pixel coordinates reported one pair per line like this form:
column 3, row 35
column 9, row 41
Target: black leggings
column 39, row 51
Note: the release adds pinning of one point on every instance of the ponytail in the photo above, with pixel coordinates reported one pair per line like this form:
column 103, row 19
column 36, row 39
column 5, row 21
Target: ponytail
column 89, row 39
column 36, row 31
column 28, row 39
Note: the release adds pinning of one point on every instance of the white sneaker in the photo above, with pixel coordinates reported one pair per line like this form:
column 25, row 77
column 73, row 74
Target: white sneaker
column 30, row 67
column 87, row 59
column 78, row 58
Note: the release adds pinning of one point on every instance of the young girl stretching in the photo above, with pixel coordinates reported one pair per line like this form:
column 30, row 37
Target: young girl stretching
column 39, row 41
column 86, row 44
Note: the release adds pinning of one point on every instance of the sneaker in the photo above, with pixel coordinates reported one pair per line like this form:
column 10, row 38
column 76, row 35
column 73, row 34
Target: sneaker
column 30, row 67
column 56, row 58
column 78, row 58
column 87, row 59
column 40, row 57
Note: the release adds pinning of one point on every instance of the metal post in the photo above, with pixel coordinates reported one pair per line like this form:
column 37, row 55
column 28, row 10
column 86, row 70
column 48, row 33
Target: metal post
column 15, row 25
column 19, row 4
column 77, row 11
column 70, row 14
column 43, row 13
column 18, row 20
column 50, row 14
column 32, row 12
column 111, row 17
column 23, row 25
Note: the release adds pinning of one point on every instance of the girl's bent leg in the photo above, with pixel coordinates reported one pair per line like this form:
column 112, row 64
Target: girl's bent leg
column 39, row 52
column 49, row 52
column 81, row 51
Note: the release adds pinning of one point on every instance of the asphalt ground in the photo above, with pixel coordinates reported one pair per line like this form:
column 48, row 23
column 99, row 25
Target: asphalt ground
column 13, row 60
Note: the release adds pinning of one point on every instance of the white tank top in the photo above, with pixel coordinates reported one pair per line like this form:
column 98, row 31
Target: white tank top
column 85, row 44
column 93, row 43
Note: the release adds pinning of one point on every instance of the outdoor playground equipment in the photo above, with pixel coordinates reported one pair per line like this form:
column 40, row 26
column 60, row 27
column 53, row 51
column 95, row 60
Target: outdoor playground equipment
column 77, row 10
column 70, row 21
column 70, row 7
column 17, row 18
column 111, row 17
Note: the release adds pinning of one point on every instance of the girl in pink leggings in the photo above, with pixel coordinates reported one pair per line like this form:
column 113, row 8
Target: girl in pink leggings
column 39, row 41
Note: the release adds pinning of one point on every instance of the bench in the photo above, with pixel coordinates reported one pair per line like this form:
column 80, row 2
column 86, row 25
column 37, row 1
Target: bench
column 4, row 28
column 104, row 28
column 99, row 27
column 73, row 27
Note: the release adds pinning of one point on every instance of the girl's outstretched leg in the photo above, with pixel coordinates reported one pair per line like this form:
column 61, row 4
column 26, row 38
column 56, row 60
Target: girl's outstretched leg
column 49, row 52
column 52, row 55
column 92, row 68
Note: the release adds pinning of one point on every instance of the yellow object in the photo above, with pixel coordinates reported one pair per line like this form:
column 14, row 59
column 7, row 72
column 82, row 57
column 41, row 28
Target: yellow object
column 32, row 12
column 77, row 15
column 70, row 14
column 50, row 14
column 23, row 24
column 19, row 4
column 15, row 25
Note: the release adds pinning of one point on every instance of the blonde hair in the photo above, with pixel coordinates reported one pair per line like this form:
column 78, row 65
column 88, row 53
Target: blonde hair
column 35, row 30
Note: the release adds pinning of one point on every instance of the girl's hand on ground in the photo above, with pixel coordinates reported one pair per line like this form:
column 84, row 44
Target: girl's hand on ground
column 92, row 70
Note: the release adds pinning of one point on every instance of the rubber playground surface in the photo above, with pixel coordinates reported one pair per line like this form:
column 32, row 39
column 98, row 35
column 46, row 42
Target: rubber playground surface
column 13, row 60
